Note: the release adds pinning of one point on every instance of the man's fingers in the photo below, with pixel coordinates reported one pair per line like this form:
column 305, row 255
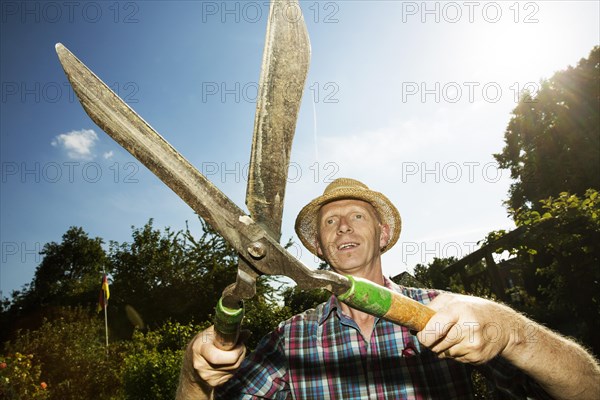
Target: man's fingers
column 450, row 335
column 204, row 348
column 216, row 374
column 442, row 326
column 215, row 378
column 224, row 378
column 466, row 329
column 217, row 357
column 229, row 360
column 213, row 365
column 221, row 360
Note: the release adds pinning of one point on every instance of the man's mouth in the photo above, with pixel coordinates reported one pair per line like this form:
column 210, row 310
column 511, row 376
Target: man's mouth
column 346, row 246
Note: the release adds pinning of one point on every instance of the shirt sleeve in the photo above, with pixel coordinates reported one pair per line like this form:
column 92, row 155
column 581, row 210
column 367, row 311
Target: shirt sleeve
column 511, row 381
column 263, row 374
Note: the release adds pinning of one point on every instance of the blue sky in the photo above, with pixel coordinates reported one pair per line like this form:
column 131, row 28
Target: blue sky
column 410, row 97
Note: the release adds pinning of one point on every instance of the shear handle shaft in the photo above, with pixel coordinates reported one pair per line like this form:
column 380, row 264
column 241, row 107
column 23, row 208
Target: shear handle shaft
column 383, row 303
column 227, row 325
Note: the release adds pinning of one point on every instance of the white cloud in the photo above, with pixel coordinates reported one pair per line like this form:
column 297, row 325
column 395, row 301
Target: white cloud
column 108, row 155
column 77, row 144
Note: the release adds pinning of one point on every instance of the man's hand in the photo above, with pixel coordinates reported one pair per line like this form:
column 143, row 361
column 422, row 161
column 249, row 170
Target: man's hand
column 206, row 367
column 469, row 329
column 474, row 330
column 215, row 366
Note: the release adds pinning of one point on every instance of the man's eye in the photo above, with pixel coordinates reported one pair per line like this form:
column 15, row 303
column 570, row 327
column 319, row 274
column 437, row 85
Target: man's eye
column 329, row 221
column 358, row 216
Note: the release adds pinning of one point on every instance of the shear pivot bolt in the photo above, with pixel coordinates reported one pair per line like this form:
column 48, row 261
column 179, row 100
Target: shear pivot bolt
column 257, row 250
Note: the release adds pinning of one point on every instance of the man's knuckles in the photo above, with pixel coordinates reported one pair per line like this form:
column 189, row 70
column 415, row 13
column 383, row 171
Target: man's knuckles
column 441, row 301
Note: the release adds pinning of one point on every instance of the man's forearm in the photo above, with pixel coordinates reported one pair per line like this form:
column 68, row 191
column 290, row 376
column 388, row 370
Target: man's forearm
column 563, row 368
column 192, row 391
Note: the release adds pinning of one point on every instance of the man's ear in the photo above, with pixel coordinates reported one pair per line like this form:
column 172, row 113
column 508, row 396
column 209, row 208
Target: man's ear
column 318, row 248
column 384, row 235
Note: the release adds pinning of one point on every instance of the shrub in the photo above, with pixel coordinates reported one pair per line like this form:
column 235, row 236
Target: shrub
column 20, row 378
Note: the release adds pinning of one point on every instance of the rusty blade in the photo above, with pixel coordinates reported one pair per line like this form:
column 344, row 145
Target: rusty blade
column 286, row 58
column 136, row 136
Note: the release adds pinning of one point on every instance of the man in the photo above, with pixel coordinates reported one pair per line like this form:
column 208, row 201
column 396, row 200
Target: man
column 336, row 352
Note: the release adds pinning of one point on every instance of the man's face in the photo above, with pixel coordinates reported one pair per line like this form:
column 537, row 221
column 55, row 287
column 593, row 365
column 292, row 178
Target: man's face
column 350, row 236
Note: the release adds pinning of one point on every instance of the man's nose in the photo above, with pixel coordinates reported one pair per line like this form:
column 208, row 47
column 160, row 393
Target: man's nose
column 344, row 226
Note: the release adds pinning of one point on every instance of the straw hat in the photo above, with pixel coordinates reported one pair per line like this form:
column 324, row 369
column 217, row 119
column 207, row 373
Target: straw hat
column 345, row 188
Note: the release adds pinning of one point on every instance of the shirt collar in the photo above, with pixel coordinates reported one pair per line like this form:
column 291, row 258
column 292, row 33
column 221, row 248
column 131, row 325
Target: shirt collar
column 330, row 306
column 333, row 304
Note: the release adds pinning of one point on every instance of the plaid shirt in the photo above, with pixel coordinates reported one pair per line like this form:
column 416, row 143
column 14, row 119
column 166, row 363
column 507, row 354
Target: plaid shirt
column 321, row 354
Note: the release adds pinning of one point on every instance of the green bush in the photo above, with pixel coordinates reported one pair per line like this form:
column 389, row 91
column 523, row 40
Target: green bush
column 151, row 368
column 20, row 378
column 71, row 353
column 151, row 374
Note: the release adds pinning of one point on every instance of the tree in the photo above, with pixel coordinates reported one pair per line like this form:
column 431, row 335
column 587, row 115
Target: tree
column 174, row 276
column 552, row 142
column 559, row 254
column 170, row 275
column 432, row 275
column 435, row 276
column 70, row 271
column 69, row 275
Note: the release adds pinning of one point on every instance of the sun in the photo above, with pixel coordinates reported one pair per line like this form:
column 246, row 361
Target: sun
column 531, row 40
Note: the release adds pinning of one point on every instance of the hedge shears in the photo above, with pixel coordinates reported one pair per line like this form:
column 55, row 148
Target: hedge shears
column 254, row 235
